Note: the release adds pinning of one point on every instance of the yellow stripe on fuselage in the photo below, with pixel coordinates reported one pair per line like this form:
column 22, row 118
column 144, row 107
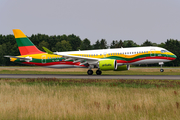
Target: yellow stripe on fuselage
column 46, row 55
column 120, row 55
column 39, row 56
column 13, row 59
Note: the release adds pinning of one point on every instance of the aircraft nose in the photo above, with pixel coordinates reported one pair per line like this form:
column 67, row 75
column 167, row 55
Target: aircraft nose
column 174, row 56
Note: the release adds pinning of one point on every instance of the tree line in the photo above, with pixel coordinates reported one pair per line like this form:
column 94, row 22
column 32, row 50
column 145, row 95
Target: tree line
column 8, row 45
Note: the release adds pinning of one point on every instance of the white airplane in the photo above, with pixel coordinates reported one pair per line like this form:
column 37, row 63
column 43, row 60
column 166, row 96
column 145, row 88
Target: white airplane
column 117, row 59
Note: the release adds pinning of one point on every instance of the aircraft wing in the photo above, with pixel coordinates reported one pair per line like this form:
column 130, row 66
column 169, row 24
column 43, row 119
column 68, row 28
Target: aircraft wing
column 21, row 58
column 83, row 60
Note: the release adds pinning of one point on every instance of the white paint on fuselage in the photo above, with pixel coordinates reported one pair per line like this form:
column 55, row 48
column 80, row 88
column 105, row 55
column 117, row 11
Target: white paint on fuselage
column 149, row 61
column 113, row 50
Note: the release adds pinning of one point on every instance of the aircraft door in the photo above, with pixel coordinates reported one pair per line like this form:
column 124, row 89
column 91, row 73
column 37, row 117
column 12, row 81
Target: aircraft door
column 153, row 53
column 105, row 54
column 43, row 59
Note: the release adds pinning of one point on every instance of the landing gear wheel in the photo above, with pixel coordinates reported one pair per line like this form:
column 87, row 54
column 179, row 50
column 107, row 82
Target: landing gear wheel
column 89, row 72
column 98, row 72
column 161, row 70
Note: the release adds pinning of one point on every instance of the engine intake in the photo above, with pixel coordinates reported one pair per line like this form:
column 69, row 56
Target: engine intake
column 109, row 64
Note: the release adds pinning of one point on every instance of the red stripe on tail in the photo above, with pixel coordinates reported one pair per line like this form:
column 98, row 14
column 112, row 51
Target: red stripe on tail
column 25, row 50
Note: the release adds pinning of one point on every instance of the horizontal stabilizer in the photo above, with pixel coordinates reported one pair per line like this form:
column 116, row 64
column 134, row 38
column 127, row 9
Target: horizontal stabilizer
column 21, row 58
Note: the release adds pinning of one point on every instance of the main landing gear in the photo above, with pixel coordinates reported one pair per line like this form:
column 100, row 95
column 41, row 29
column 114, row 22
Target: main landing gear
column 98, row 72
column 90, row 72
column 161, row 63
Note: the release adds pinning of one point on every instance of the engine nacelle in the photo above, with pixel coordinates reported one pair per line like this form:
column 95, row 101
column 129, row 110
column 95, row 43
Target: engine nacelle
column 123, row 68
column 109, row 64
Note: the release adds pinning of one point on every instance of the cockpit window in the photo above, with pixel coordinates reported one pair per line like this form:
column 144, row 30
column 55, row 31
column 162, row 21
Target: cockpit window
column 163, row 51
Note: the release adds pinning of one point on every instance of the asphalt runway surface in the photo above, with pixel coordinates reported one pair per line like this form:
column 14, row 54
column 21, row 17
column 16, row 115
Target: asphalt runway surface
column 158, row 77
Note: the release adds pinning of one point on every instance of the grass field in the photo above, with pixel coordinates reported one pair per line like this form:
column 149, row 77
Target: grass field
column 132, row 71
column 88, row 99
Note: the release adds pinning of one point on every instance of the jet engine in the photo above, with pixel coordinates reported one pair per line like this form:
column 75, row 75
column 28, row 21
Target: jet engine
column 108, row 64
column 123, row 68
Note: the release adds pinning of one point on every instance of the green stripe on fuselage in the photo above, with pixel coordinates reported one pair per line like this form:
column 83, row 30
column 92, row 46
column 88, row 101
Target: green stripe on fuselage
column 111, row 57
column 24, row 42
column 137, row 57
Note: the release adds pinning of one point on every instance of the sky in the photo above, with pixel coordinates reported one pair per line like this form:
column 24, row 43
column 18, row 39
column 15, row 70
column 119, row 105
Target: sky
column 137, row 20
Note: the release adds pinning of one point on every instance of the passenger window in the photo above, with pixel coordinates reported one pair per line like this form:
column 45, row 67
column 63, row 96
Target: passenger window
column 162, row 51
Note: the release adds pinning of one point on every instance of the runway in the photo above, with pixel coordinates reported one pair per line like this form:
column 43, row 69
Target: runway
column 151, row 77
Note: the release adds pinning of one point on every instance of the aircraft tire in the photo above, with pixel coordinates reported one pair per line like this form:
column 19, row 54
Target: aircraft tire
column 98, row 72
column 89, row 72
column 161, row 70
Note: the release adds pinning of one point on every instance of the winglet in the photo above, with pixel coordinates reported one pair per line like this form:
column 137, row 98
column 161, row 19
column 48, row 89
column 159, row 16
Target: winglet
column 47, row 50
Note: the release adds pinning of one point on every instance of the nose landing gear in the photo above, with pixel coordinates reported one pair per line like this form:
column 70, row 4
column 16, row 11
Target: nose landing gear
column 161, row 63
column 161, row 70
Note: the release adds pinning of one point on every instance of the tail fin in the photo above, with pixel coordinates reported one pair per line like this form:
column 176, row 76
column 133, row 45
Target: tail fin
column 24, row 44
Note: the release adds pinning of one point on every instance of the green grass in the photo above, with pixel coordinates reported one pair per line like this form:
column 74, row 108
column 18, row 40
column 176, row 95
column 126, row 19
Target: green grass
column 89, row 99
column 94, row 82
column 36, row 72
column 130, row 72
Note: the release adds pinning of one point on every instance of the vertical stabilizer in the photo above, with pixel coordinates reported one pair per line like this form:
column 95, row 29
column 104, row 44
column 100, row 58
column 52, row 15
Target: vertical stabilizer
column 24, row 44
